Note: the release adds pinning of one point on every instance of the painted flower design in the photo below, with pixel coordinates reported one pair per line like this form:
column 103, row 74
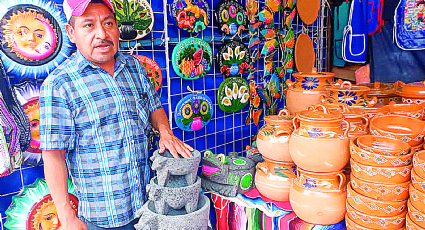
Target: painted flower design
column 196, row 106
column 180, row 4
column 348, row 98
column 199, row 26
column 309, row 83
column 310, row 183
column 315, row 132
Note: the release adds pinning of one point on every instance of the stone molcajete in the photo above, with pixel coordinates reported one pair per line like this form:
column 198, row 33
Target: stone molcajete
column 227, row 175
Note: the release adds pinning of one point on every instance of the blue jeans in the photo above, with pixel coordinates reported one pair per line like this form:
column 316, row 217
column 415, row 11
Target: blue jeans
column 91, row 226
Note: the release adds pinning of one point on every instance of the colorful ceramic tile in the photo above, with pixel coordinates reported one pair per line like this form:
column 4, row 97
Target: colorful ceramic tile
column 192, row 58
column 233, row 58
column 135, row 18
column 153, row 70
column 193, row 112
column 233, row 94
column 44, row 22
column 191, row 15
column 231, row 17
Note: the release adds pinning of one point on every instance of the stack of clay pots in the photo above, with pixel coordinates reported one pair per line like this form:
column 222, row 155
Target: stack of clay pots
column 380, row 178
column 415, row 218
column 273, row 177
column 319, row 148
column 175, row 201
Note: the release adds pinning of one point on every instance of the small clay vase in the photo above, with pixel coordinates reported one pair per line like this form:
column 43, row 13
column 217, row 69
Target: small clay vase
column 351, row 95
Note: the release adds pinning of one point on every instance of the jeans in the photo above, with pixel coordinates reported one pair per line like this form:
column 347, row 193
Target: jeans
column 91, row 226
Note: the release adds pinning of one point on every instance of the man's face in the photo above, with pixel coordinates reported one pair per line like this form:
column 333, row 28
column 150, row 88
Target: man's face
column 96, row 34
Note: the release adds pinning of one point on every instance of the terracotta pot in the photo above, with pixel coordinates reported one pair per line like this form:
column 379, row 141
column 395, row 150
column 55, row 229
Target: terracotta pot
column 315, row 81
column 374, row 207
column 319, row 198
column 372, row 112
column 407, row 129
column 273, row 137
column 352, row 225
column 409, row 110
column 383, row 145
column 411, row 225
column 299, row 100
column 351, row 95
column 375, row 222
column 385, row 92
column 417, row 148
column 380, row 191
column 381, row 174
column 273, row 179
column 413, row 93
column 419, row 163
column 356, row 117
column 417, row 197
column 418, row 181
column 416, row 215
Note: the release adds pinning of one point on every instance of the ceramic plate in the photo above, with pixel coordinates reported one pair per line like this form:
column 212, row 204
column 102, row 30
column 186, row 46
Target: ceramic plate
column 308, row 10
column 231, row 17
column 233, row 58
column 304, row 54
column 191, row 15
column 193, row 112
column 41, row 20
column 233, row 94
column 192, row 58
column 153, row 70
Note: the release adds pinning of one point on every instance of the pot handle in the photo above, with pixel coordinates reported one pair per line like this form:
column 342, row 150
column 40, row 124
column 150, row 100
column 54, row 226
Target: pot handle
column 346, row 83
column 372, row 102
column 261, row 167
column 398, row 84
column 342, row 180
column 289, row 83
column 296, row 122
column 282, row 132
column 347, row 129
column 344, row 108
column 284, row 113
column 365, row 122
column 316, row 107
column 377, row 85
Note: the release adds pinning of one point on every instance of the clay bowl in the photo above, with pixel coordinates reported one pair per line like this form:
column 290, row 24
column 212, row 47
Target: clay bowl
column 377, row 174
column 419, row 163
column 418, row 181
column 409, row 110
column 375, row 159
column 416, row 215
column 372, row 112
column 374, row 207
column 407, row 129
column 411, row 225
column 352, row 225
column 375, row 222
column 380, row 191
column 417, row 197
column 417, row 148
column 383, row 145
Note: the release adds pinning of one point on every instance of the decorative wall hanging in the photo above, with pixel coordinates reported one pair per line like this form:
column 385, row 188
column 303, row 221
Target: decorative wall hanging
column 251, row 9
column 33, row 208
column 231, row 17
column 12, row 135
column 33, row 38
column 233, row 58
column 153, row 70
column 135, row 18
column 192, row 58
column 191, row 15
column 193, row 112
column 308, row 10
column 233, row 94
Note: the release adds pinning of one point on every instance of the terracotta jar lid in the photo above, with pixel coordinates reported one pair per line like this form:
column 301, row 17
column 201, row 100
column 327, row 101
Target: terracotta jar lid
column 347, row 86
column 320, row 113
column 282, row 118
column 412, row 90
column 380, row 89
column 304, row 54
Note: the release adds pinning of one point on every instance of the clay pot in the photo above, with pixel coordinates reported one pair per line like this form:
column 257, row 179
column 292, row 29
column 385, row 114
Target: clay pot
column 416, row 215
column 407, row 129
column 374, row 207
column 419, row 163
column 375, row 222
column 383, row 145
column 372, row 112
column 418, row 181
column 299, row 100
column 319, row 198
column 357, row 118
column 409, row 110
column 273, row 179
column 380, row 191
column 413, row 93
column 417, row 148
column 351, row 95
column 381, row 174
column 353, row 225
column 273, row 137
column 385, row 92
column 417, row 197
column 410, row 224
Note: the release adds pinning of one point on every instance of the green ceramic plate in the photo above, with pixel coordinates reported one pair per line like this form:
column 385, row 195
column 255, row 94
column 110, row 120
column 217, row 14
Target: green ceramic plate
column 233, row 94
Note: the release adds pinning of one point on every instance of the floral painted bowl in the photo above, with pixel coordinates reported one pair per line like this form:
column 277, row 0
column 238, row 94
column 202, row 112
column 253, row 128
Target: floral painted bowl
column 351, row 95
column 409, row 110
column 419, row 163
column 418, row 181
column 383, row 145
column 410, row 224
column 417, row 197
column 416, row 215
column 377, row 174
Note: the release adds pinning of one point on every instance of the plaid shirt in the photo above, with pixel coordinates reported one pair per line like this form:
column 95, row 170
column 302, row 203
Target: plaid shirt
column 102, row 122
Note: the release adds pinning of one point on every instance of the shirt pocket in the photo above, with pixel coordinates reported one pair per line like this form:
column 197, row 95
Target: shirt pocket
column 142, row 105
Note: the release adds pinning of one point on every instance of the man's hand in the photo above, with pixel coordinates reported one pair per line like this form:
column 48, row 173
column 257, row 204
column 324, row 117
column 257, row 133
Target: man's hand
column 174, row 145
column 69, row 221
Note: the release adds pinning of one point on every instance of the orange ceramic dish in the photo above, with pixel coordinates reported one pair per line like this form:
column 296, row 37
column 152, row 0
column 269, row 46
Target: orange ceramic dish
column 410, row 110
column 377, row 174
column 410, row 224
column 407, row 129
column 372, row 112
column 383, row 145
column 419, row 163
column 417, row 197
column 416, row 215
column 374, row 207
column 418, row 181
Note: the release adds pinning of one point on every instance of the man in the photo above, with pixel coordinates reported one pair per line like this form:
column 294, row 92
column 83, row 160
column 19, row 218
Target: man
column 94, row 115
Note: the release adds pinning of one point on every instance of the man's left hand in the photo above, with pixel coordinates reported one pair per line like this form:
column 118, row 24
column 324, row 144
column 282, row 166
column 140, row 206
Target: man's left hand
column 174, row 145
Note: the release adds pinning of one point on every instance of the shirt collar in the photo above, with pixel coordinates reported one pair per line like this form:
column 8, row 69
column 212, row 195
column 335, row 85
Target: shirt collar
column 83, row 63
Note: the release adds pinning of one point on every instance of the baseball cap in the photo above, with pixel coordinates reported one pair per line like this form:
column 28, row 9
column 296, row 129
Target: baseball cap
column 77, row 7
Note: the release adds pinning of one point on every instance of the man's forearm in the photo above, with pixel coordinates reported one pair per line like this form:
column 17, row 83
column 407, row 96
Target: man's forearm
column 159, row 121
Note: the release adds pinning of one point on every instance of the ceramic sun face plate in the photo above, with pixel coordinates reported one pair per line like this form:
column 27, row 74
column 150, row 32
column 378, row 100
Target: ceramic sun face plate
column 231, row 17
column 135, row 18
column 233, row 94
column 304, row 54
column 193, row 112
column 191, row 15
column 33, row 38
column 192, row 58
column 233, row 58
column 153, row 70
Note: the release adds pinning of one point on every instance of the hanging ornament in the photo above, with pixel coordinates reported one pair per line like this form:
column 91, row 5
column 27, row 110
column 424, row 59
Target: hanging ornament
column 273, row 5
column 308, row 10
column 191, row 15
column 40, row 20
column 135, row 18
column 192, row 58
column 231, row 17
column 251, row 9
column 153, row 70
column 233, row 58
column 193, row 112
column 233, row 94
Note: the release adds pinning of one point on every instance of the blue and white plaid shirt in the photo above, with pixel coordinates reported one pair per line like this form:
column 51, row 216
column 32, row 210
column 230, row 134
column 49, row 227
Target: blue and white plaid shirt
column 102, row 122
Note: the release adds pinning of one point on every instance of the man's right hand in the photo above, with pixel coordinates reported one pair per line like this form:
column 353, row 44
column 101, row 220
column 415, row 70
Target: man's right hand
column 73, row 224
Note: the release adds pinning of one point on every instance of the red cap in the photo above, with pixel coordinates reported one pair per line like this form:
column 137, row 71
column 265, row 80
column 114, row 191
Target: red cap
column 77, row 7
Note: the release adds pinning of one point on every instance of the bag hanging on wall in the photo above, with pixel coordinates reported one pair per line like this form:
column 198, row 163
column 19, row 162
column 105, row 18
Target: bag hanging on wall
column 354, row 44
column 409, row 25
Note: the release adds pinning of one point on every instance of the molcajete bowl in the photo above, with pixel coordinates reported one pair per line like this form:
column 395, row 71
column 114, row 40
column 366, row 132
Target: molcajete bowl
column 418, row 181
column 374, row 207
column 407, row 129
column 383, row 145
column 409, row 110
column 419, row 163
column 376, row 222
column 411, row 225
column 378, row 174
column 416, row 215
column 417, row 197
column 380, row 191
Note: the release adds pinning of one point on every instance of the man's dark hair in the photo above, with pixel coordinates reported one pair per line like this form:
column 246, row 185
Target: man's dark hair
column 72, row 18
column 420, row 3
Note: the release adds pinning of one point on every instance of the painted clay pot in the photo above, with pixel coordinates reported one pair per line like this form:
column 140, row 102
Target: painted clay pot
column 417, row 197
column 319, row 198
column 418, row 181
column 273, row 179
column 300, row 100
column 385, row 92
column 381, row 174
column 407, row 129
column 374, row 207
column 412, row 225
column 351, row 95
column 372, row 112
column 273, row 137
column 419, row 163
column 353, row 225
column 359, row 123
column 375, row 222
column 409, row 110
column 383, row 145
column 416, row 215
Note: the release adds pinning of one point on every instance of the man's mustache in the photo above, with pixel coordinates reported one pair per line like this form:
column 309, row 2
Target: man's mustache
column 103, row 42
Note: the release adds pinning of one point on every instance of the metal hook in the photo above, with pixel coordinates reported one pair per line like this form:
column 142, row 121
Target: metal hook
column 193, row 91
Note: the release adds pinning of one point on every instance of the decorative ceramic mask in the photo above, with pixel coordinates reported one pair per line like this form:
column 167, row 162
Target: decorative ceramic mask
column 153, row 70
column 191, row 15
column 233, row 94
column 135, row 18
column 231, row 17
column 233, row 58
column 33, row 38
column 193, row 112
column 192, row 58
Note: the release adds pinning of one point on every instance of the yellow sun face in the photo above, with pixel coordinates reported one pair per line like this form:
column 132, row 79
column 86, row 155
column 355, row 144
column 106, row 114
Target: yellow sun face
column 31, row 109
column 46, row 217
